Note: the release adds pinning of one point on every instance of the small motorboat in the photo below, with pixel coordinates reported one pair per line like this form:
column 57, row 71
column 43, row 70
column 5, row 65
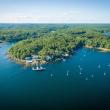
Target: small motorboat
column 38, row 68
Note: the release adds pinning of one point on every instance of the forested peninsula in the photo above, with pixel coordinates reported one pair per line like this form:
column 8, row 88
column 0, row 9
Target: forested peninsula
column 54, row 42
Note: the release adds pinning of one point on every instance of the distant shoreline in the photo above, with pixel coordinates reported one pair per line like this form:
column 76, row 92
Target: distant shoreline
column 104, row 49
column 99, row 48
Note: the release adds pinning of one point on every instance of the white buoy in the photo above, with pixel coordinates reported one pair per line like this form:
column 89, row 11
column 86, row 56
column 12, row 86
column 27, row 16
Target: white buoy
column 104, row 74
column 51, row 75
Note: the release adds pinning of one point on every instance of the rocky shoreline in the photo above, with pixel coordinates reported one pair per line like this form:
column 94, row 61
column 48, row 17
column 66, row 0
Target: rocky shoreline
column 31, row 63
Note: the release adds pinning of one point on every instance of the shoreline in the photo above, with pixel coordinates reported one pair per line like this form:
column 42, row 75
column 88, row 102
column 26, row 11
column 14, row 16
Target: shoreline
column 104, row 49
column 26, row 63
column 99, row 48
column 23, row 62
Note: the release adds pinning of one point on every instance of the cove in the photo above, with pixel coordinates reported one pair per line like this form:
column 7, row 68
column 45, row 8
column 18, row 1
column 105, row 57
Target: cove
column 86, row 86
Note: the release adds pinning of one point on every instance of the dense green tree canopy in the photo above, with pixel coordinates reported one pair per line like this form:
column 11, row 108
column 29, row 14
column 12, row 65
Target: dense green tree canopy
column 53, row 40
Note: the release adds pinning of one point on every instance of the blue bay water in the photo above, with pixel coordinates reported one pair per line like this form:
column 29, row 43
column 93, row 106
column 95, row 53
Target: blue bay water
column 107, row 34
column 86, row 86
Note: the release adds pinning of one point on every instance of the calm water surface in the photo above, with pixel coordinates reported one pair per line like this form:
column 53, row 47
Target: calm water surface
column 82, row 82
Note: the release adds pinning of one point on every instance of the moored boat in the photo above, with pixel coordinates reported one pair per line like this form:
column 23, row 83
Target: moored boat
column 38, row 68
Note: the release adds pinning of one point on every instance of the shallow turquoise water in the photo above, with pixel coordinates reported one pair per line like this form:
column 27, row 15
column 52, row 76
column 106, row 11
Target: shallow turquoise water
column 86, row 86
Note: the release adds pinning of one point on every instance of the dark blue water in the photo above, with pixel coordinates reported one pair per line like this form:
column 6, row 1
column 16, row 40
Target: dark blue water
column 85, row 87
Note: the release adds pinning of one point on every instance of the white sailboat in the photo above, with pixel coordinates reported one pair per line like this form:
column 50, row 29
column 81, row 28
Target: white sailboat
column 51, row 75
column 99, row 66
column 67, row 74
